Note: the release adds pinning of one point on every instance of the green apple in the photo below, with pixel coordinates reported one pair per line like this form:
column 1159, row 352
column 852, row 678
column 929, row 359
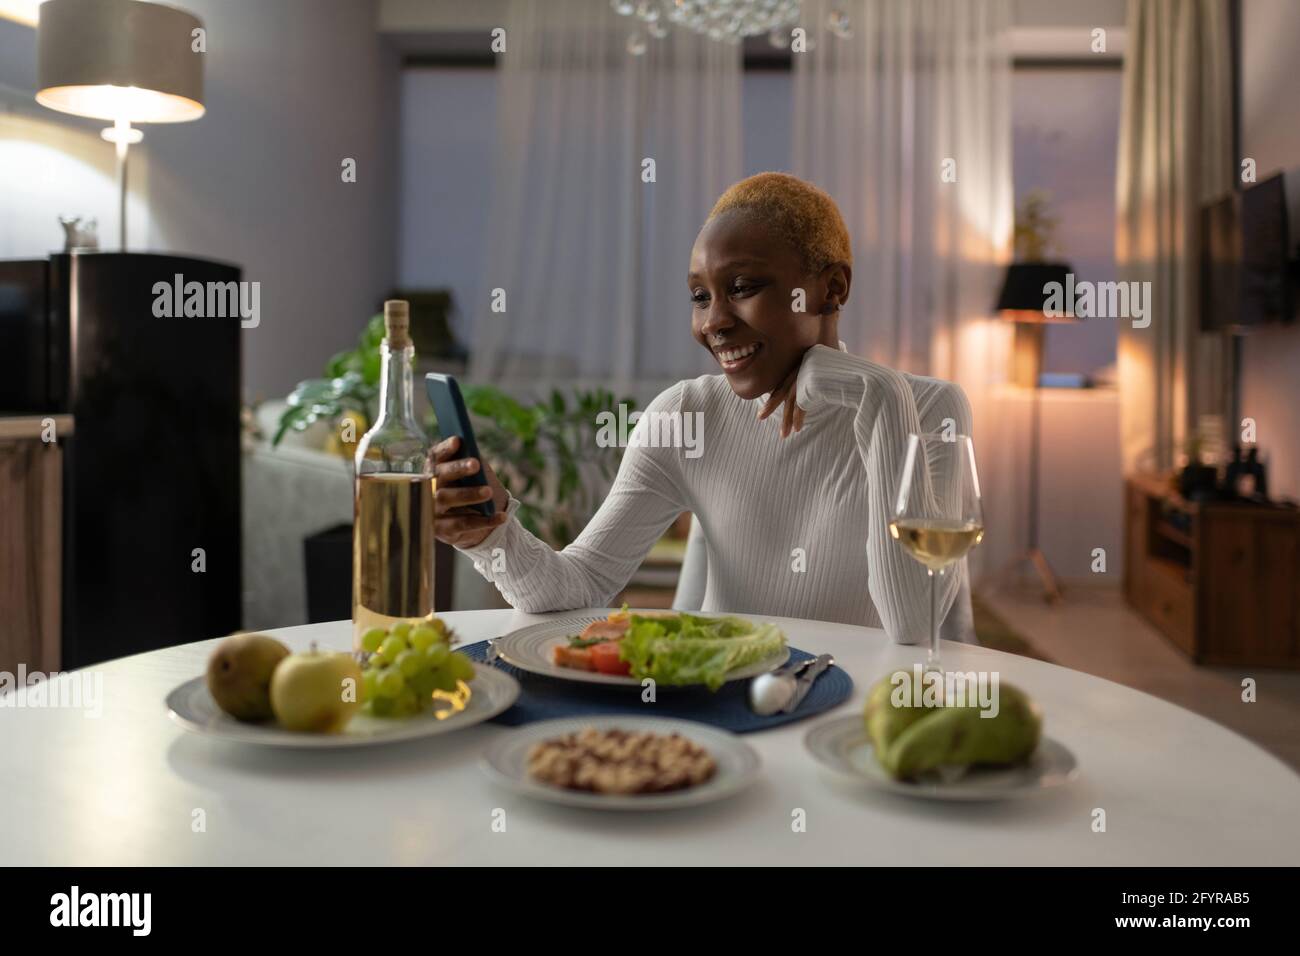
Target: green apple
column 239, row 674
column 318, row 691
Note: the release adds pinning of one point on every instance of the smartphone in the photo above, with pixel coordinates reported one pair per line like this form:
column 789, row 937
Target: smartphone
column 453, row 419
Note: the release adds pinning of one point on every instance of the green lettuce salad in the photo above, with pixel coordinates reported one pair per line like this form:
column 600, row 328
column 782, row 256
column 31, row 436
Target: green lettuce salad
column 689, row 649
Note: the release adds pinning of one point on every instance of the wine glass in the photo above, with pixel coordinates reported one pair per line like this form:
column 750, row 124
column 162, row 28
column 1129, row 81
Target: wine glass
column 937, row 515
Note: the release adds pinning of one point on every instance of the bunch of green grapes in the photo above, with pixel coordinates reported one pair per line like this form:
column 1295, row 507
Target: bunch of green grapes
column 404, row 665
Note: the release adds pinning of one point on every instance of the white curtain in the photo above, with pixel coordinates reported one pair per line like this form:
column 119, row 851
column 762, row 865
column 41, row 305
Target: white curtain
column 1175, row 152
column 592, row 258
column 906, row 123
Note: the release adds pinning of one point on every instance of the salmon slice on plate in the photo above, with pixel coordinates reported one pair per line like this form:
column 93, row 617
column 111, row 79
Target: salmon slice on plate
column 606, row 630
column 579, row 655
column 576, row 658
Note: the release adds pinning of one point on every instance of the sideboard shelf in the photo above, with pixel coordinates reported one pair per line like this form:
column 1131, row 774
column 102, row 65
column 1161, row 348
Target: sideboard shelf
column 1224, row 589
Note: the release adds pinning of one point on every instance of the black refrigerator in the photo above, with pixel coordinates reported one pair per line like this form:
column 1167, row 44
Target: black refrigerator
column 151, row 516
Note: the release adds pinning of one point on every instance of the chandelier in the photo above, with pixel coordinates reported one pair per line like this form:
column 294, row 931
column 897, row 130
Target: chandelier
column 723, row 20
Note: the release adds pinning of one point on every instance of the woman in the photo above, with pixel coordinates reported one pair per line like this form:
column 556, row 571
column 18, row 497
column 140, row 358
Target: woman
column 794, row 481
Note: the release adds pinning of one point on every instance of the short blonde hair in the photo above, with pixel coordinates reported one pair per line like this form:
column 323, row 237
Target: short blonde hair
column 800, row 212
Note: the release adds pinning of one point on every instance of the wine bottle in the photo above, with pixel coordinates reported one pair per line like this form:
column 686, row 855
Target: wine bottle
column 392, row 532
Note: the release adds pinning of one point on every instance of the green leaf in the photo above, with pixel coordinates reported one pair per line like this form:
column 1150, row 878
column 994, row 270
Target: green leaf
column 289, row 419
column 505, row 412
column 568, row 483
column 371, row 367
column 529, row 517
column 372, row 335
column 337, row 365
column 691, row 649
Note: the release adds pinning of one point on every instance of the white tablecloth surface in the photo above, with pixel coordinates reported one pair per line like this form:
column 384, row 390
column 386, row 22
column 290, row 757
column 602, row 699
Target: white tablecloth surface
column 124, row 788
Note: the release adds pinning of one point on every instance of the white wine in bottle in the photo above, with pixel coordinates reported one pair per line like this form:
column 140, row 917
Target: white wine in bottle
column 392, row 532
column 393, row 541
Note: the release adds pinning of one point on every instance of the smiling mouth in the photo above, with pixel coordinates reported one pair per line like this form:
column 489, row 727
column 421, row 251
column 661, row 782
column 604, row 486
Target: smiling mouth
column 733, row 358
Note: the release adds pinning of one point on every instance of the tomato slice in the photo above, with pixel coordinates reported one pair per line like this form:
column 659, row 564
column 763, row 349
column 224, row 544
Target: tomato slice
column 604, row 657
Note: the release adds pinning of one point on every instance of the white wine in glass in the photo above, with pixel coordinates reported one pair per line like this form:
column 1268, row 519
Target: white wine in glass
column 937, row 515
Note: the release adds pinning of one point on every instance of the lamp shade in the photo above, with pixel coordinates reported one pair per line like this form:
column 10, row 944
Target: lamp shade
column 119, row 60
column 1022, row 297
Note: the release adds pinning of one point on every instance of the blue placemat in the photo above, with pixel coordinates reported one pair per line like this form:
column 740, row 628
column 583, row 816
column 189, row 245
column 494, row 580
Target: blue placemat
column 544, row 698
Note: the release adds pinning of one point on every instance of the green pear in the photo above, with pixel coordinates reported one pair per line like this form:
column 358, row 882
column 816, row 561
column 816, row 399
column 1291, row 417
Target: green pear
column 884, row 718
column 960, row 736
column 239, row 674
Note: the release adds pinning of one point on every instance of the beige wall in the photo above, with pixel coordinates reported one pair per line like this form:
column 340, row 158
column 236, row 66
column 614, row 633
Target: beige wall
column 1270, row 134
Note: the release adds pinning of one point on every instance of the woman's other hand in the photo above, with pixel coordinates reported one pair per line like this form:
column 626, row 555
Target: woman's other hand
column 454, row 521
column 792, row 415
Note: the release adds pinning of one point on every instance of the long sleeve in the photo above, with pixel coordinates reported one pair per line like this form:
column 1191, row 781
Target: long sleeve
column 645, row 499
column 888, row 407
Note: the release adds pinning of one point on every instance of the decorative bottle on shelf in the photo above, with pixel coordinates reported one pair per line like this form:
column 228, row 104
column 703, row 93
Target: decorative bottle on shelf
column 392, row 534
column 1232, row 474
column 1259, row 477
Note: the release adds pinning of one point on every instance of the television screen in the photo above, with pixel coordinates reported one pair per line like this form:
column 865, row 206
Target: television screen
column 1220, row 263
column 1265, row 291
column 1245, row 246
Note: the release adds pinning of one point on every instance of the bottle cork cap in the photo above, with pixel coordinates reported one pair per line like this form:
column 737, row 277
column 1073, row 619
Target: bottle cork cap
column 397, row 323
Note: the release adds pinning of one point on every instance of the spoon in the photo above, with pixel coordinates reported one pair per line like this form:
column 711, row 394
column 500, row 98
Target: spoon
column 782, row 690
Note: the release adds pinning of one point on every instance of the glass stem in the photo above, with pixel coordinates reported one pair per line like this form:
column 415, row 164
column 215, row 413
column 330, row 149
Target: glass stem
column 932, row 658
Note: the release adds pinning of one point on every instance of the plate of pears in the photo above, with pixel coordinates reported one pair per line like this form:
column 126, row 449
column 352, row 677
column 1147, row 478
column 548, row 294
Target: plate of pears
column 924, row 734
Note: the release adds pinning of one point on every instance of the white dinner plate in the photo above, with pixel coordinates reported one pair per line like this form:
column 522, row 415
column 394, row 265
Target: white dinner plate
column 843, row 746
column 506, row 761
column 191, row 706
column 530, row 649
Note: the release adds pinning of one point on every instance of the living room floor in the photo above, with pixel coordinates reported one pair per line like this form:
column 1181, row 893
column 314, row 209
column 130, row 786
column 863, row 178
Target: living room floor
column 1093, row 630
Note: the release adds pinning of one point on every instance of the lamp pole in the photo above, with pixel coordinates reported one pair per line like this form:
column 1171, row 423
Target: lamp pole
column 121, row 134
column 1050, row 586
column 1022, row 301
column 121, row 195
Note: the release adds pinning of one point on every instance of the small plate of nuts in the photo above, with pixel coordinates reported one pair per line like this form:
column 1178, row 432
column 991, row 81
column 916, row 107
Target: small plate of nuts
column 622, row 763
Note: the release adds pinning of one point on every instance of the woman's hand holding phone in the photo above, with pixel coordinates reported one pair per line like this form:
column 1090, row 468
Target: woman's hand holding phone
column 454, row 521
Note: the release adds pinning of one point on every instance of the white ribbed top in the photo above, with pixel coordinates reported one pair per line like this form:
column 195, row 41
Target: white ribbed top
column 827, row 490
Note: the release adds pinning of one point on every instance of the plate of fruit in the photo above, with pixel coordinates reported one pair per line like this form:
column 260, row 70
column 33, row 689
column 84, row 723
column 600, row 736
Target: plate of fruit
column 404, row 684
column 921, row 738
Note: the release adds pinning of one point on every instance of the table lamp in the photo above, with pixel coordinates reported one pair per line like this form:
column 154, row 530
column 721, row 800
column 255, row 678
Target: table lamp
column 1023, row 301
column 127, row 61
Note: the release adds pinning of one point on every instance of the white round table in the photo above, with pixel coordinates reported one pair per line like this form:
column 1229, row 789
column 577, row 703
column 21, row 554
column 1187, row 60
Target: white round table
column 1176, row 788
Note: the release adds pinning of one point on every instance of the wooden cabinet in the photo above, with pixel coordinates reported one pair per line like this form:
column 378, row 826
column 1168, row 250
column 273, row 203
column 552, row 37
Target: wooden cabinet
column 31, row 553
column 1220, row 580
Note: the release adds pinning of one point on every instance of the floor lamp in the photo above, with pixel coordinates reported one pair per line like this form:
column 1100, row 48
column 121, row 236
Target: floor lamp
column 125, row 61
column 1023, row 301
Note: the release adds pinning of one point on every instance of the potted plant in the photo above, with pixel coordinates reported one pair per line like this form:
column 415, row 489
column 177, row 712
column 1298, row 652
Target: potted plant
column 346, row 397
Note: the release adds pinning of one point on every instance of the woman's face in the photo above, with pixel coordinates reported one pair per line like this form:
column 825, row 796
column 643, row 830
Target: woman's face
column 742, row 283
